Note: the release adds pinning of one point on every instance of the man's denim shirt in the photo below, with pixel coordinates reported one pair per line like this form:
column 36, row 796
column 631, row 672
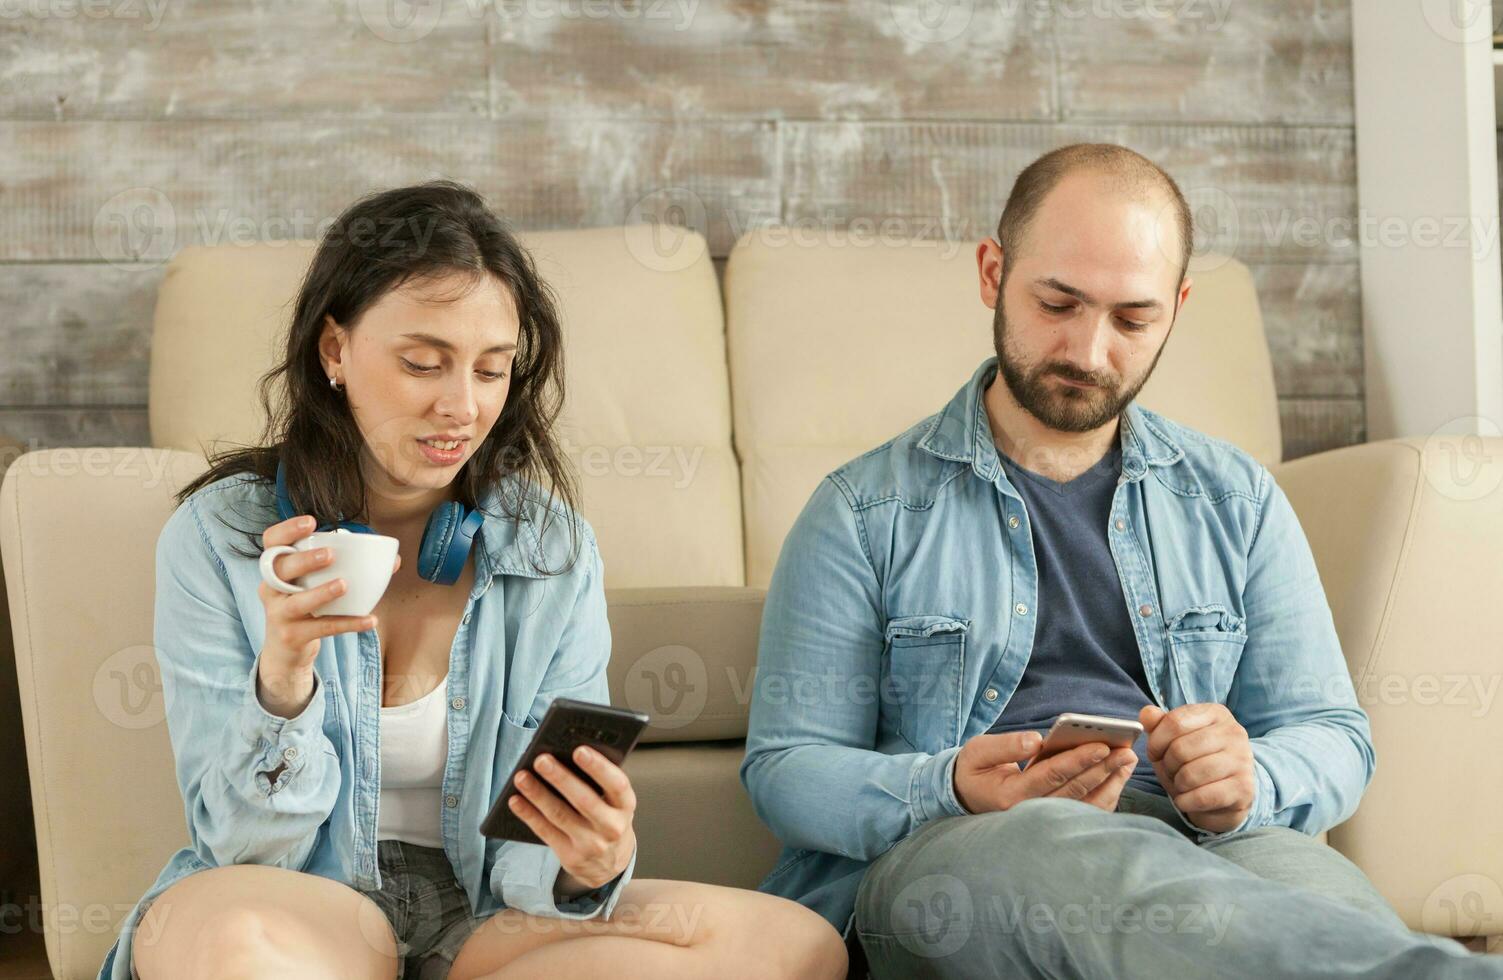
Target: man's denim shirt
column 525, row 638
column 901, row 614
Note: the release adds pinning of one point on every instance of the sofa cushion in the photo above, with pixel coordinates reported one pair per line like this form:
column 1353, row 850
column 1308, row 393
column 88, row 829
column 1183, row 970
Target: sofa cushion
column 835, row 349
column 685, row 657
column 647, row 412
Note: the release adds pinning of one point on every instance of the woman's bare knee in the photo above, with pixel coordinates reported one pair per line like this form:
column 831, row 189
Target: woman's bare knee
column 251, row 920
column 779, row 939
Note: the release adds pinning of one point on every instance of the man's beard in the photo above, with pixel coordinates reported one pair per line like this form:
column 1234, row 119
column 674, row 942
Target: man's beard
column 1062, row 408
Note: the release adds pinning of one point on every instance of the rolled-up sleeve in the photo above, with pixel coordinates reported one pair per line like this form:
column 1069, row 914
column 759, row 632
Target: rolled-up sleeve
column 812, row 768
column 256, row 787
column 1311, row 741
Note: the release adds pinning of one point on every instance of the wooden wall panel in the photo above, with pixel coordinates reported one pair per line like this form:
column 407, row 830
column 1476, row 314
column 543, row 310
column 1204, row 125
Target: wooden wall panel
column 218, row 59
column 131, row 191
column 76, row 425
column 820, row 59
column 128, row 136
column 1273, row 61
column 1265, row 194
column 1313, row 318
column 76, row 334
column 1312, row 425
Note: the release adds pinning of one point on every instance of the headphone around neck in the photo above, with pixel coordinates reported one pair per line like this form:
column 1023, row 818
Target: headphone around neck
column 447, row 538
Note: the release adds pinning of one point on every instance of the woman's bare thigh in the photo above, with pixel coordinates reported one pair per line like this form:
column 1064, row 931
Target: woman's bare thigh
column 681, row 913
column 241, row 918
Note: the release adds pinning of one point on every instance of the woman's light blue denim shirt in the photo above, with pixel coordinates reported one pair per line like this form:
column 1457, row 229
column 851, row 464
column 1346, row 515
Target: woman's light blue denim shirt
column 900, row 619
column 525, row 638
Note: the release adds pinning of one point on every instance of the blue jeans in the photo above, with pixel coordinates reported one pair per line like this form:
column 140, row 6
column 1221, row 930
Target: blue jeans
column 1058, row 888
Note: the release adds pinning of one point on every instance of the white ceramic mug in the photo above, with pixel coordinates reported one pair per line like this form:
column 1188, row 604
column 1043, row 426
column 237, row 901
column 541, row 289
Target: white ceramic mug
column 364, row 561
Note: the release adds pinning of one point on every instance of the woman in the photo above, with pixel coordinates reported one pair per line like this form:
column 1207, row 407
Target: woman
column 422, row 368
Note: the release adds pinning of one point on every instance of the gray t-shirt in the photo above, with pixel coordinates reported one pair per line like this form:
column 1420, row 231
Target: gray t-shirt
column 1085, row 656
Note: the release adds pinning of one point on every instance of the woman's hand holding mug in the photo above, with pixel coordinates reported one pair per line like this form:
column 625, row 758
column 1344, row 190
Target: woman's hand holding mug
column 295, row 627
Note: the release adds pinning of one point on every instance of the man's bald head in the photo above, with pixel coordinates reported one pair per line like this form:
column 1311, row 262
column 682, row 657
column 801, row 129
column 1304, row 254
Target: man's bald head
column 1125, row 171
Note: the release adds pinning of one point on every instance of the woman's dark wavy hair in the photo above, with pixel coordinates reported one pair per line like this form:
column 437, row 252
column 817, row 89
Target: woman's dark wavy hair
column 409, row 234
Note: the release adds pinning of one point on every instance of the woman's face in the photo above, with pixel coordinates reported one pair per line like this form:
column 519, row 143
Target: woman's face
column 418, row 372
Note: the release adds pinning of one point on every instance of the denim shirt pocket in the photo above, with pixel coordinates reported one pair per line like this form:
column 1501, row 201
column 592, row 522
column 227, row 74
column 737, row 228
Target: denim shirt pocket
column 1205, row 646
column 925, row 668
column 520, row 728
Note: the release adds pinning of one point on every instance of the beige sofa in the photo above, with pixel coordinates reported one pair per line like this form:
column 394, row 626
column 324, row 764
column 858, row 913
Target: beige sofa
column 700, row 424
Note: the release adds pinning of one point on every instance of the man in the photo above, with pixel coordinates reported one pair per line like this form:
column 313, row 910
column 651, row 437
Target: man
column 1043, row 545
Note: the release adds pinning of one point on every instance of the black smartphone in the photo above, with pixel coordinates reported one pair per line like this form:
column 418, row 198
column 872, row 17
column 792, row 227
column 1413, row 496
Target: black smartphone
column 566, row 725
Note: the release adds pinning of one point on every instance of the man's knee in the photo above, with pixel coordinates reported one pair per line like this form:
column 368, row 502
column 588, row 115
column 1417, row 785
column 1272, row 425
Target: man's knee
column 952, row 864
column 1292, row 857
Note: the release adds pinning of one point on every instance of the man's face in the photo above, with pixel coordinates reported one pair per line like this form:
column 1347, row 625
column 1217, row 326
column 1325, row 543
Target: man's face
column 1087, row 304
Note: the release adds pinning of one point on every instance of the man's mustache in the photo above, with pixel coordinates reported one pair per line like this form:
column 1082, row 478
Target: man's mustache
column 1071, row 373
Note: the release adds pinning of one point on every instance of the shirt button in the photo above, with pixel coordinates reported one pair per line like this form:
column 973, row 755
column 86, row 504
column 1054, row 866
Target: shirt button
column 290, row 753
column 991, row 694
column 457, row 704
column 1121, row 524
column 466, row 620
column 1145, row 610
column 1013, row 522
column 1020, row 609
column 451, row 801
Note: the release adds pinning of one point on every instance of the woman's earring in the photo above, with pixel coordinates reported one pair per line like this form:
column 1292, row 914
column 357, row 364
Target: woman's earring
column 334, row 384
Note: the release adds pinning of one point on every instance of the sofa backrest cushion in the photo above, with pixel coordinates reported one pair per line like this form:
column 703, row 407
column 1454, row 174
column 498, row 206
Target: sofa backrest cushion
column 647, row 412
column 835, row 349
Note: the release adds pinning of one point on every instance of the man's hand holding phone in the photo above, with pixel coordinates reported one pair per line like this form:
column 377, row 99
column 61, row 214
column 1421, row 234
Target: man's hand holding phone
column 988, row 778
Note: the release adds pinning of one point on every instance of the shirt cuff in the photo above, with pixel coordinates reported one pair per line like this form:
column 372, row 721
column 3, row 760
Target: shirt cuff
column 932, row 789
column 276, row 741
column 1259, row 815
column 525, row 875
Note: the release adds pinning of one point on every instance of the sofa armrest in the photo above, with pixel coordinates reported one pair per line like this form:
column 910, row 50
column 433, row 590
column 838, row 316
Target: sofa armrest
column 17, row 840
column 1408, row 536
column 687, row 657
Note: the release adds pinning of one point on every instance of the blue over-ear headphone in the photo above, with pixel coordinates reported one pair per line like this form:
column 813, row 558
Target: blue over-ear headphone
column 446, row 540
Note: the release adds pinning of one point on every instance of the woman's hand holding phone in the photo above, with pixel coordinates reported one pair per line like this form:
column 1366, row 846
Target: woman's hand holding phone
column 988, row 778
column 591, row 833
column 284, row 673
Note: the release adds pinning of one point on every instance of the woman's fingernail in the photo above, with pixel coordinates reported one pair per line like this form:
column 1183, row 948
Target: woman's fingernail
column 545, row 763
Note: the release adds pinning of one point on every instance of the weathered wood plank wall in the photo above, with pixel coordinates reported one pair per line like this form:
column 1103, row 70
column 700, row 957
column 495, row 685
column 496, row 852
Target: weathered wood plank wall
column 144, row 126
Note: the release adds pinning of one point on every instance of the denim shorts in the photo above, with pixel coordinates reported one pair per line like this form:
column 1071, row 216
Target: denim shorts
column 427, row 909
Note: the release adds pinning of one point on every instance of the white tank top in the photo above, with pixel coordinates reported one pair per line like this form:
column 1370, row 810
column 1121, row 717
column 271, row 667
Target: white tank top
column 414, row 746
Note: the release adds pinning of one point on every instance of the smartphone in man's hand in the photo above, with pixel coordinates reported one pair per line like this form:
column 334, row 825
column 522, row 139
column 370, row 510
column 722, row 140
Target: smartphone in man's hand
column 1071, row 729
